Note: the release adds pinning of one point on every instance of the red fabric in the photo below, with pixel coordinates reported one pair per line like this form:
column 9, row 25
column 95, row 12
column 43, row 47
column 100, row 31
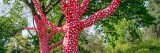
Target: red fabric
column 72, row 10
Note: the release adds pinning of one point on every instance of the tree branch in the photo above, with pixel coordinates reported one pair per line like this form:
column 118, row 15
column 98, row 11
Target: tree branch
column 42, row 16
column 50, row 35
column 100, row 14
column 56, row 44
column 16, row 31
column 58, row 29
column 84, row 6
column 30, row 32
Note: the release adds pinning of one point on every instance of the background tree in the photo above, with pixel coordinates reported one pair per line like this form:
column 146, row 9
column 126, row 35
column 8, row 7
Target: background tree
column 153, row 6
column 10, row 26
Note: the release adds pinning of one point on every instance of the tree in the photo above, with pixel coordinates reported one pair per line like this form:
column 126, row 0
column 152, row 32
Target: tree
column 10, row 26
column 153, row 7
column 72, row 10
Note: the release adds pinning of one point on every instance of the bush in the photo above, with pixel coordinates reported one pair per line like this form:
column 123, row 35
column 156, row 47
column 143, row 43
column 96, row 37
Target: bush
column 144, row 46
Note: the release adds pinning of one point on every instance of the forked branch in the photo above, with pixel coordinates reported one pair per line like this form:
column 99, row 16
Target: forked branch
column 43, row 17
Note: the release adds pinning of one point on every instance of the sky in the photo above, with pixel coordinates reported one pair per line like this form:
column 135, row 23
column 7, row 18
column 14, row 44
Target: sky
column 4, row 9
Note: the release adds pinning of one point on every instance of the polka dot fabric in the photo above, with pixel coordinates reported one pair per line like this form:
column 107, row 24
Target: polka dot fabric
column 73, row 10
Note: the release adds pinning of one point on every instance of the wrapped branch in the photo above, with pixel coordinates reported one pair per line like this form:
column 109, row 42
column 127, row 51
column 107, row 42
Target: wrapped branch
column 100, row 14
column 43, row 17
column 56, row 44
column 84, row 6
column 63, row 5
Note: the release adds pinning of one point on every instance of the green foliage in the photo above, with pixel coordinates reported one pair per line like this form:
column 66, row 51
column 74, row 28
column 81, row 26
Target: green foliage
column 145, row 46
column 94, row 45
column 2, row 49
column 34, row 41
column 5, row 1
column 57, row 37
column 10, row 26
column 133, row 11
column 21, row 44
column 82, row 41
column 153, row 8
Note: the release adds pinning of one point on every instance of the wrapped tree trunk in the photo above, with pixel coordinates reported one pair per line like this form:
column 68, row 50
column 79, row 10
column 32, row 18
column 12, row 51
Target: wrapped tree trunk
column 72, row 10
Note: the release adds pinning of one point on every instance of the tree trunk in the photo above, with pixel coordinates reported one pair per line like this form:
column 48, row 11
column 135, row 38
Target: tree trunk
column 44, row 46
column 70, row 43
